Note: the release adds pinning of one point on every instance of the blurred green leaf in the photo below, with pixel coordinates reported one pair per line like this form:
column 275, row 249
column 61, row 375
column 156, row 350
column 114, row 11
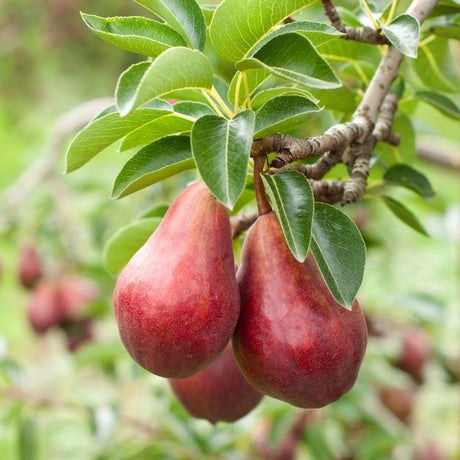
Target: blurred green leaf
column 135, row 34
column 404, row 214
column 221, row 150
column 440, row 102
column 292, row 200
column 127, row 241
column 27, row 438
column 449, row 31
column 406, row 176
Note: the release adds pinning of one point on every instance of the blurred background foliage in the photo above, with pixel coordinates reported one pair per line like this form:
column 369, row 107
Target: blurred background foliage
column 96, row 403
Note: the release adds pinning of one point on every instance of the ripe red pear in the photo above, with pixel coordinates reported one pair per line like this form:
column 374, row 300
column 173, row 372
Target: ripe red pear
column 293, row 341
column 78, row 333
column 75, row 294
column 30, row 267
column 217, row 393
column 44, row 311
column 399, row 401
column 177, row 301
column 415, row 352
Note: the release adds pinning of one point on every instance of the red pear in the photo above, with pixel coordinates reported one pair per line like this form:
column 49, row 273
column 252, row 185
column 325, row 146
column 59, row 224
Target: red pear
column 177, row 301
column 78, row 333
column 75, row 294
column 415, row 352
column 30, row 267
column 44, row 311
column 399, row 401
column 293, row 341
column 217, row 393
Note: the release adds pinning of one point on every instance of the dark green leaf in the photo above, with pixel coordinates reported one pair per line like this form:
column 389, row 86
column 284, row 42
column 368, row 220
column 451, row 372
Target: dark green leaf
column 135, row 34
column 283, row 113
column 293, row 57
column 185, row 17
column 292, row 200
column 440, row 102
column 221, row 150
column 408, row 177
column 238, row 25
column 404, row 33
column 176, row 68
column 404, row 214
column 340, row 252
column 104, row 130
column 164, row 158
column 265, row 95
column 448, row 31
column 127, row 241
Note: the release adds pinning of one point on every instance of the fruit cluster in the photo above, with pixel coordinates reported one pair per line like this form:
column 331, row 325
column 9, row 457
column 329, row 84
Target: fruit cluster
column 59, row 302
column 178, row 304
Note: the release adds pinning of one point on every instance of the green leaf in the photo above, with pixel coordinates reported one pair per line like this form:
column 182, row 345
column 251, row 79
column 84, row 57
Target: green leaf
column 135, row 34
column 283, row 113
column 127, row 241
column 164, row 158
column 100, row 354
column 449, row 31
column 341, row 99
column 238, row 25
column 27, row 438
column 265, row 95
column 104, row 130
column 184, row 16
column 440, row 102
column 404, row 33
column 340, row 252
column 221, row 150
column 404, row 214
column 255, row 77
column 193, row 109
column 291, row 197
column 176, row 68
column 435, row 66
column 408, row 177
column 293, row 57
column 157, row 210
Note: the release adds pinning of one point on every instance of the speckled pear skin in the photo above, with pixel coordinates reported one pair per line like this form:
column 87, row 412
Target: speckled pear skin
column 177, row 302
column 217, row 393
column 293, row 341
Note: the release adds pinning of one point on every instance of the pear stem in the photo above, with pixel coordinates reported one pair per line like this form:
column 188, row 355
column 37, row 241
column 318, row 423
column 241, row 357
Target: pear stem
column 263, row 207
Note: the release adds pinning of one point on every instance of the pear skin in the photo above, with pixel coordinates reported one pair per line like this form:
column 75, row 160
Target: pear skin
column 177, row 301
column 293, row 341
column 217, row 393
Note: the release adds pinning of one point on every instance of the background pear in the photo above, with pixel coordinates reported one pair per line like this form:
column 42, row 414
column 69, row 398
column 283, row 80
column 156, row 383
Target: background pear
column 177, row 301
column 217, row 393
column 293, row 341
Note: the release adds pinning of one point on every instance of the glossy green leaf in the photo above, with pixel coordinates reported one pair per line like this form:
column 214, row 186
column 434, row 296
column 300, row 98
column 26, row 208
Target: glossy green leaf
column 184, row 16
column 404, row 214
column 179, row 121
column 238, row 25
column 404, row 33
column 291, row 197
column 104, row 130
column 221, row 150
column 293, row 57
column 159, row 160
column 176, row 68
column 265, row 95
column 342, row 99
column 408, row 177
column 127, row 241
column 255, row 77
column 439, row 101
column 135, row 34
column 283, row 113
column 435, row 66
column 340, row 252
column 449, row 31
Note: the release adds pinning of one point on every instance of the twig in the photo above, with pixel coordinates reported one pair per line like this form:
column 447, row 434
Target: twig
column 241, row 222
column 440, row 155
